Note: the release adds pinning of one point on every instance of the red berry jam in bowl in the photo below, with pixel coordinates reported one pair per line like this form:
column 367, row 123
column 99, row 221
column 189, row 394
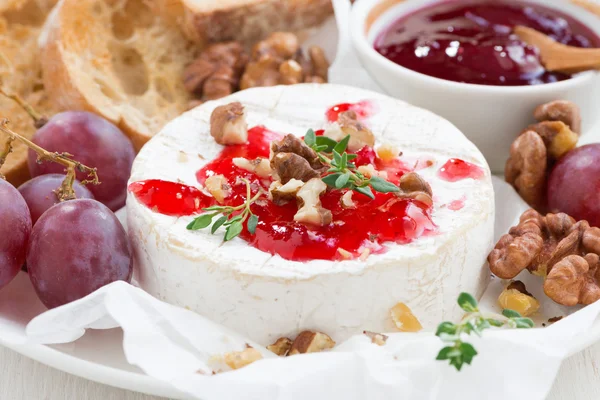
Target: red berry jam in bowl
column 472, row 41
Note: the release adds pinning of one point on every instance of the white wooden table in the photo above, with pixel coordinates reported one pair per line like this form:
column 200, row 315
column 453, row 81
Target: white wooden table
column 24, row 379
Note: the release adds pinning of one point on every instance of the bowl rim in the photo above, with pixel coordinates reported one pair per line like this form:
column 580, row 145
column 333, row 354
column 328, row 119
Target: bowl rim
column 362, row 9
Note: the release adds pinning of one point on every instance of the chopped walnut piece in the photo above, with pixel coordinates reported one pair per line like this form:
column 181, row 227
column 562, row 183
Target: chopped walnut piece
column 560, row 110
column 293, row 144
column 369, row 171
column 281, row 194
column 320, row 64
column 279, row 60
column 557, row 137
column 554, row 319
column 314, row 79
column 288, row 166
column 413, row 186
column 278, row 45
column 526, row 169
column 291, row 158
column 387, row 152
column 515, row 297
column 360, row 135
column 228, row 124
column 216, row 72
column 311, row 342
column 218, row 187
column 310, row 210
column 404, row 319
column 261, row 73
column 519, row 287
column 240, row 359
column 346, row 255
column 258, row 166
column 291, row 73
column 365, row 254
column 557, row 248
column 376, row 338
column 347, row 201
column 281, row 347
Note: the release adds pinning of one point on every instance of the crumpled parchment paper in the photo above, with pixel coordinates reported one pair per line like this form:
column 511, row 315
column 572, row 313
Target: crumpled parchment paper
column 180, row 347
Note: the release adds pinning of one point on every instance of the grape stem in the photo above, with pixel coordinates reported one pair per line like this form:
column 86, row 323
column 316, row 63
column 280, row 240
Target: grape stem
column 38, row 119
column 65, row 192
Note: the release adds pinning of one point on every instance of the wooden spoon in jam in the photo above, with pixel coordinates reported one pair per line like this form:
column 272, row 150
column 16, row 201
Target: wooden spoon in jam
column 557, row 56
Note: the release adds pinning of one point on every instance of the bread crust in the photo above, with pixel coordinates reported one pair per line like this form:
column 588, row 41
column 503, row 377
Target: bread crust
column 20, row 73
column 118, row 59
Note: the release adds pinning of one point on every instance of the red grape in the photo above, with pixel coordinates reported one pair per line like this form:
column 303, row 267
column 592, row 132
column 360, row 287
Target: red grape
column 15, row 229
column 574, row 184
column 93, row 141
column 77, row 247
column 39, row 193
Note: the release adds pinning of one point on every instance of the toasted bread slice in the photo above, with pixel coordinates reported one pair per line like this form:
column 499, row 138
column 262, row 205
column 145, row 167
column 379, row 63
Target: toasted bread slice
column 248, row 21
column 20, row 73
column 118, row 59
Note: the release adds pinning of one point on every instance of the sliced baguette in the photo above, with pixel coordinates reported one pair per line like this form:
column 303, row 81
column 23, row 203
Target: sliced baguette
column 248, row 21
column 118, row 59
column 20, row 73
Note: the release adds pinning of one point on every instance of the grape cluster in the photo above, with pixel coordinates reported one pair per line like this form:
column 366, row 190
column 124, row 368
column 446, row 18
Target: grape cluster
column 71, row 247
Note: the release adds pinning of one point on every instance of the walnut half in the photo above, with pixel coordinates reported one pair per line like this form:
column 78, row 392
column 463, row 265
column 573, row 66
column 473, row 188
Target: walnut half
column 556, row 247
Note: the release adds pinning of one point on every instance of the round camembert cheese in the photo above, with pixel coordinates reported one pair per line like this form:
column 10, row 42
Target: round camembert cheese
column 264, row 296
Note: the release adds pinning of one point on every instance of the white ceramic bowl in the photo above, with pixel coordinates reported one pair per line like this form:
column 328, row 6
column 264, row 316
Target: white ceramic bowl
column 491, row 116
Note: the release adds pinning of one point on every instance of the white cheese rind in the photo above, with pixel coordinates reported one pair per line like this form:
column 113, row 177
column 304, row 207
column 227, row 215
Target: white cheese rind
column 266, row 297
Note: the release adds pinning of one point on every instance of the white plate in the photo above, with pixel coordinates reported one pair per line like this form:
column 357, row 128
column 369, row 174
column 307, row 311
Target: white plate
column 97, row 356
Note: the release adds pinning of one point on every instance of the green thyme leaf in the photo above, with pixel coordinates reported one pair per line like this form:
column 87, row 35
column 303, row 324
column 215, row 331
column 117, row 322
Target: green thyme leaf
column 319, row 149
column 201, row 222
column 445, row 353
column 495, row 322
column 342, row 145
column 381, row 185
column 467, row 302
column 510, row 313
column 344, row 163
column 342, row 180
column 468, row 352
column 252, row 223
column 233, row 230
column 523, row 323
column 366, row 191
column 351, row 157
column 457, row 362
column 337, row 159
column 325, row 141
column 331, row 179
column 218, row 223
column 310, row 138
column 446, row 328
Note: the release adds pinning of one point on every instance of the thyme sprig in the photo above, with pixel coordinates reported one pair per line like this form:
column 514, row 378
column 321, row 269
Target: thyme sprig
column 459, row 352
column 342, row 173
column 230, row 217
